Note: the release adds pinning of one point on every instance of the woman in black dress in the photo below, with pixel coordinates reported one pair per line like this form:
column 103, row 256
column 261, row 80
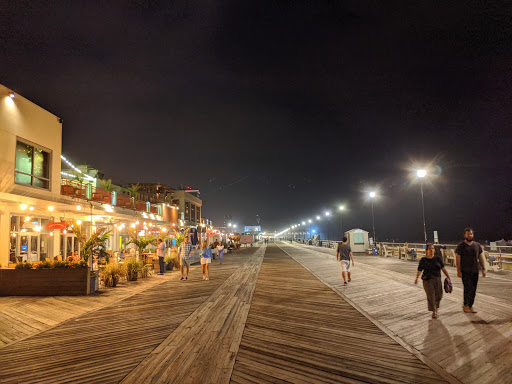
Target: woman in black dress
column 431, row 266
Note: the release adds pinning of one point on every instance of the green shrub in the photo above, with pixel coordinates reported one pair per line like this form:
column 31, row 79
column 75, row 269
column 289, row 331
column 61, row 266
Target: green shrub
column 23, row 265
column 133, row 269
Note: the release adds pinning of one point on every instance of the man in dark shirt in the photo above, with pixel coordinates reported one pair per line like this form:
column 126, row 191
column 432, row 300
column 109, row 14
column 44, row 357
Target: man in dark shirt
column 468, row 254
column 344, row 254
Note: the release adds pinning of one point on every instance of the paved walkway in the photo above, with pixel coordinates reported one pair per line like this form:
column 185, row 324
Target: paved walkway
column 262, row 318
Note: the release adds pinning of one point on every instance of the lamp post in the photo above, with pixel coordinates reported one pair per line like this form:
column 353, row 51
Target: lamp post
column 342, row 208
column 372, row 195
column 421, row 173
column 304, row 231
column 310, row 234
column 327, row 214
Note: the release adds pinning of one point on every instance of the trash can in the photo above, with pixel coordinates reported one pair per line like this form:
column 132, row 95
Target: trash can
column 375, row 251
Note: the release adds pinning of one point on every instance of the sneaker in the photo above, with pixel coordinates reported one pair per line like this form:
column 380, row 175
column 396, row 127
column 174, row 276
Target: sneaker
column 349, row 280
column 207, row 278
column 186, row 278
column 345, row 283
column 182, row 278
column 467, row 309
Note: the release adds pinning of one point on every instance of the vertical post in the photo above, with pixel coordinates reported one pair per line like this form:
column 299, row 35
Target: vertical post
column 423, row 208
column 341, row 219
column 373, row 221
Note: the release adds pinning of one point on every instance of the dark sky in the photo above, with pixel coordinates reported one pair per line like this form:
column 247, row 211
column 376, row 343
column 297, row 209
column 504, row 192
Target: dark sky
column 283, row 108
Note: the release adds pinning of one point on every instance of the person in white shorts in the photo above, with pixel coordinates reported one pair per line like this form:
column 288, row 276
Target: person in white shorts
column 344, row 254
column 206, row 259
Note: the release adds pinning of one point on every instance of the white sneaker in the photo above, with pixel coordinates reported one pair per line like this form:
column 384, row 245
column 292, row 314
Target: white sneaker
column 207, row 278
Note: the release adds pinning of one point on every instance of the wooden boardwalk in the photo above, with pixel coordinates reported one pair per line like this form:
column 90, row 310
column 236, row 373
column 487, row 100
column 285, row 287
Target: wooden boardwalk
column 262, row 318
column 105, row 345
column 300, row 331
column 474, row 348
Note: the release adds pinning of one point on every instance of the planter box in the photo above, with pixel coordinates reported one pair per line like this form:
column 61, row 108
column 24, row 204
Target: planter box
column 47, row 282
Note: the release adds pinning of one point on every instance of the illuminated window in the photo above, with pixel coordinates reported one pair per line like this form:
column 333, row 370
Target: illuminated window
column 32, row 166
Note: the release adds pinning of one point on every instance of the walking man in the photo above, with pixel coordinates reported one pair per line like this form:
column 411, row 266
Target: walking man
column 185, row 251
column 160, row 252
column 468, row 254
column 220, row 251
column 344, row 254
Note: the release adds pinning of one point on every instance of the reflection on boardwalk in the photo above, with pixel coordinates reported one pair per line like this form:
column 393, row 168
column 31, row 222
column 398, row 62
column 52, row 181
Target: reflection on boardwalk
column 262, row 318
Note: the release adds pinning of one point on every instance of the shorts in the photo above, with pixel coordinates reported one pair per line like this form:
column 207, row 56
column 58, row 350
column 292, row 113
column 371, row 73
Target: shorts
column 185, row 262
column 345, row 265
column 205, row 260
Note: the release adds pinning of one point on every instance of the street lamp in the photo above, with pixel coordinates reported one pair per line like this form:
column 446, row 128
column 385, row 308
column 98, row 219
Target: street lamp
column 342, row 208
column 309, row 221
column 304, row 231
column 372, row 195
column 421, row 173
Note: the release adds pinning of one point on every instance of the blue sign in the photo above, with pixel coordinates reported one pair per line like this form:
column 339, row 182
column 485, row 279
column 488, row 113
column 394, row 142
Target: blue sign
column 24, row 248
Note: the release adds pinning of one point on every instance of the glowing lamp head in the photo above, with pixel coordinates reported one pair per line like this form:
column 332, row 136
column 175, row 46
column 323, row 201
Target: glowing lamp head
column 309, row 221
column 78, row 222
column 11, row 95
column 23, row 207
column 78, row 207
column 31, row 208
column 372, row 194
column 421, row 173
column 50, row 208
column 318, row 217
column 314, row 231
column 342, row 207
column 303, row 223
column 327, row 213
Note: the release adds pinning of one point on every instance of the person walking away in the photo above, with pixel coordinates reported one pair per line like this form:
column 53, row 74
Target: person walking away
column 344, row 254
column 206, row 259
column 185, row 251
column 430, row 268
column 220, row 251
column 467, row 255
column 160, row 252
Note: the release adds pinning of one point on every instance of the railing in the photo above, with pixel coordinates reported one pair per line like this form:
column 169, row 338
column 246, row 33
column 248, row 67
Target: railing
column 125, row 202
column 101, row 195
column 73, row 188
column 76, row 189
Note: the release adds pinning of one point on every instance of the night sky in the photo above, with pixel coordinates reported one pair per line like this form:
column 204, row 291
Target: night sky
column 284, row 109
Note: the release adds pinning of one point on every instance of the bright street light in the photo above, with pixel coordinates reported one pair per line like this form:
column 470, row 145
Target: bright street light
column 342, row 207
column 318, row 217
column 303, row 222
column 327, row 213
column 372, row 194
column 421, row 173
column 309, row 221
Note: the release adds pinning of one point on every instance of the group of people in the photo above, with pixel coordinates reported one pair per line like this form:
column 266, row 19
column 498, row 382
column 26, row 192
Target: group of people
column 184, row 253
column 468, row 256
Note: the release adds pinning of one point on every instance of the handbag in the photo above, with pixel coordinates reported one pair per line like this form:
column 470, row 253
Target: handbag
column 448, row 287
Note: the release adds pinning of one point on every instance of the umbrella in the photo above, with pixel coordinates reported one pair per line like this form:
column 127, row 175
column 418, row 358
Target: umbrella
column 56, row 225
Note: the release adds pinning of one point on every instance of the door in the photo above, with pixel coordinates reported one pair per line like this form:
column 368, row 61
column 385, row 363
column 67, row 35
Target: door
column 28, row 248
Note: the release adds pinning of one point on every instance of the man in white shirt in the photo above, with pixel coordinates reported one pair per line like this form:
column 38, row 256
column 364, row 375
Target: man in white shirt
column 220, row 251
column 160, row 252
